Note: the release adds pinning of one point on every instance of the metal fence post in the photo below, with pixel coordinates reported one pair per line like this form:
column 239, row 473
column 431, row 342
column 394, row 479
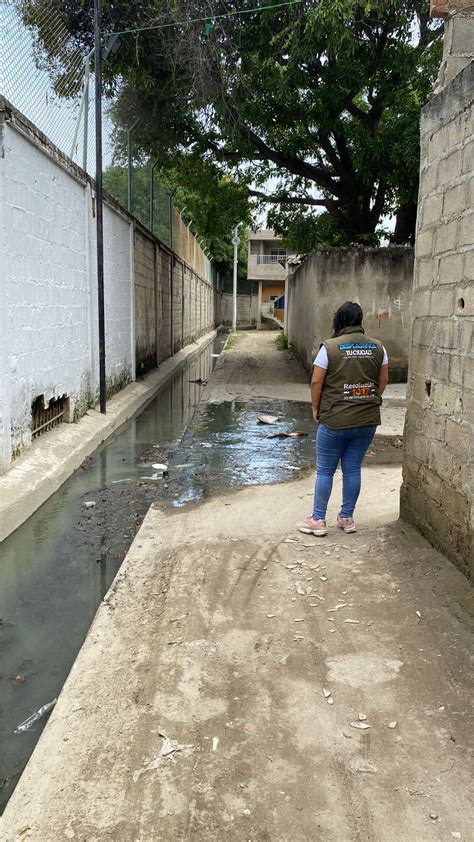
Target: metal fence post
column 152, row 195
column 129, row 165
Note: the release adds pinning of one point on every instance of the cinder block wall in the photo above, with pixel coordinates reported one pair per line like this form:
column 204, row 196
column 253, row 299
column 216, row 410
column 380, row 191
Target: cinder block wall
column 379, row 279
column 247, row 309
column 437, row 472
column 174, row 305
column 155, row 302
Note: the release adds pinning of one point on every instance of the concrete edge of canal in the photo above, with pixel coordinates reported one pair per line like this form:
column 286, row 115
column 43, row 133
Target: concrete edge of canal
column 35, row 476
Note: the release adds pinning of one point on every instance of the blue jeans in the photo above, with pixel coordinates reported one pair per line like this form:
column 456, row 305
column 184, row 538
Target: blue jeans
column 349, row 445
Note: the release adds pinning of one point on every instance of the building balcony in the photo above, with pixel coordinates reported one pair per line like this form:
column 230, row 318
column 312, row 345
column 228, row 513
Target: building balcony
column 265, row 267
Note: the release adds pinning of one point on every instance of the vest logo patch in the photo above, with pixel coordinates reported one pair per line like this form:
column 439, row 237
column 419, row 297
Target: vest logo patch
column 353, row 391
column 358, row 349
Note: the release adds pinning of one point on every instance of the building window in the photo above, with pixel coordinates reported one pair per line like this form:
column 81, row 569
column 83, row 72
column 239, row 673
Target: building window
column 254, row 247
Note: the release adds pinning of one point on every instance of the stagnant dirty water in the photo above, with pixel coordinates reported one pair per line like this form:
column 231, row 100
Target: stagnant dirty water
column 57, row 567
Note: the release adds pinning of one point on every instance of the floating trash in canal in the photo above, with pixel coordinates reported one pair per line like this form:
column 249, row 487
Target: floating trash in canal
column 35, row 717
column 268, row 419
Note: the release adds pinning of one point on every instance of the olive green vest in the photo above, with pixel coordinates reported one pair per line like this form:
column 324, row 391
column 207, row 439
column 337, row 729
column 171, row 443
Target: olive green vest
column 350, row 391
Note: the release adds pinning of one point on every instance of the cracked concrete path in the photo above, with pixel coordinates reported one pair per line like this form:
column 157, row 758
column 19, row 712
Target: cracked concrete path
column 224, row 630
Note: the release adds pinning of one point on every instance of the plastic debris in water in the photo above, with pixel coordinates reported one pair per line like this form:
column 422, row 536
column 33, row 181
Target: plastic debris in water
column 267, row 419
column 296, row 434
column 35, row 717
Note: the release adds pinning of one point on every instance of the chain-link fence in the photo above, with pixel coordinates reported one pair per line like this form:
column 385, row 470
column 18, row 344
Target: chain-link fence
column 61, row 105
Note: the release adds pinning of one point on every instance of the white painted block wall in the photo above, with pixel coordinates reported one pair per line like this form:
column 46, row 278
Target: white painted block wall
column 49, row 339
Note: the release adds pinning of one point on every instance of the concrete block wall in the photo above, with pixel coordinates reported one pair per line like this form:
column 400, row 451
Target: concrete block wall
column 379, row 279
column 49, row 281
column 247, row 309
column 48, row 287
column 437, row 472
column 174, row 305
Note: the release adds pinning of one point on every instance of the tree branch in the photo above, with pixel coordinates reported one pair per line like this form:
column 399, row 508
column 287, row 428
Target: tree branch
column 285, row 198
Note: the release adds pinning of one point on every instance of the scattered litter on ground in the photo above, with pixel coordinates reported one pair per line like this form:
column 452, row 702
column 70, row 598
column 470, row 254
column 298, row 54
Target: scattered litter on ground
column 364, row 766
column 159, row 466
column 298, row 637
column 35, row 717
column 337, row 607
column 291, row 541
column 215, row 743
column 175, row 642
column 264, row 642
column 215, row 355
column 267, row 419
column 89, row 504
column 323, row 578
column 456, row 834
column 270, row 616
column 434, row 817
column 354, row 622
column 418, row 614
column 393, row 724
column 362, row 717
column 177, row 619
column 362, row 726
column 168, row 750
column 299, row 620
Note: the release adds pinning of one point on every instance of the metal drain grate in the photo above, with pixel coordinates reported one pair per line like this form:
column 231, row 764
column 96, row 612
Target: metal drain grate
column 45, row 418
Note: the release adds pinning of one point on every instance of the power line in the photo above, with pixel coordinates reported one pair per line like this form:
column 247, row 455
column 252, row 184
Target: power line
column 208, row 18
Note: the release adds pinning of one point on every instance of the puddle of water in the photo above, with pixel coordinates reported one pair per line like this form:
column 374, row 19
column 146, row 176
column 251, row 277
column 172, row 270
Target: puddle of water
column 56, row 568
column 227, row 448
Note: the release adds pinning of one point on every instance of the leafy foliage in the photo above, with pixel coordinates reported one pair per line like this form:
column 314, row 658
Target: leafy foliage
column 317, row 103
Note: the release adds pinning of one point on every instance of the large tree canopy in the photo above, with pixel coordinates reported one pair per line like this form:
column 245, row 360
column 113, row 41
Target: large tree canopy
column 308, row 106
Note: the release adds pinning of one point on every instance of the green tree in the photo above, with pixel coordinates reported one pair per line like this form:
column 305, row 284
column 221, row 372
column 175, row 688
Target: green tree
column 320, row 99
column 211, row 216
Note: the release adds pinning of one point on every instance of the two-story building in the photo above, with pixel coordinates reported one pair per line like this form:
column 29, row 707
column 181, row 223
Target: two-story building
column 266, row 266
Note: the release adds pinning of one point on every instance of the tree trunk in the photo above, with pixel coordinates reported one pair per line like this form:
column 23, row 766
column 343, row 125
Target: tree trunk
column 405, row 225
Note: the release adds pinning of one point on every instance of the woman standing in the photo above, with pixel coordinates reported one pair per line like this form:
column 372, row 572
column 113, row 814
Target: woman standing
column 350, row 374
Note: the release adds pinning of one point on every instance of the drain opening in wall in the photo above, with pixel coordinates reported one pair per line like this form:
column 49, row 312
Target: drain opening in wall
column 44, row 418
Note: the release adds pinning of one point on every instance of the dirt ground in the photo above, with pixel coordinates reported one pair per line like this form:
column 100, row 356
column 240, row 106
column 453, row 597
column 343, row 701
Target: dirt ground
column 242, row 681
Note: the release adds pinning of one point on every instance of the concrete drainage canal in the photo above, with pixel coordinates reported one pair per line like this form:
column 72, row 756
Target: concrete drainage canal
column 57, row 567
